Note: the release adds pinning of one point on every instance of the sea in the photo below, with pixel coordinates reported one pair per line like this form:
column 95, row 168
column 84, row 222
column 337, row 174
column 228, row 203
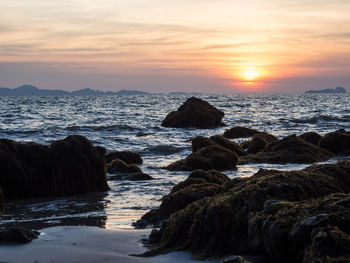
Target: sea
column 133, row 123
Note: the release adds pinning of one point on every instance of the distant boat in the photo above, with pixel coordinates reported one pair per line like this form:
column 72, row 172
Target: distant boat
column 336, row 90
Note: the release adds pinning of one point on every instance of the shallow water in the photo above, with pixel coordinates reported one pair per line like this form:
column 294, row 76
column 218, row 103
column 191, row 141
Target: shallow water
column 133, row 123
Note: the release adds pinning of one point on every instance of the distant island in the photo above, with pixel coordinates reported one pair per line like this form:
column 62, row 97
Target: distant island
column 336, row 90
column 30, row 90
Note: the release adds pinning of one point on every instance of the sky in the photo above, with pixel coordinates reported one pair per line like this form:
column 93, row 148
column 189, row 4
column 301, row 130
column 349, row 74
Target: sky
column 224, row 46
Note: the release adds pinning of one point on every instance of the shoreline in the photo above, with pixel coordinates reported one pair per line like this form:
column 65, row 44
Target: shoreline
column 71, row 244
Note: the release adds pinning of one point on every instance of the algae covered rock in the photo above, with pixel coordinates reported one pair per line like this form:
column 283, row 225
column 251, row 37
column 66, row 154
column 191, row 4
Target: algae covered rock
column 290, row 149
column 66, row 167
column 337, row 142
column 194, row 113
column 200, row 142
column 260, row 141
column 198, row 185
column 118, row 166
column 207, row 158
column 239, row 132
column 255, row 215
column 311, row 137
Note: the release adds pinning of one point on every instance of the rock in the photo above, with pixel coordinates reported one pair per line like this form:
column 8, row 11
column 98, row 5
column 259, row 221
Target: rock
column 290, row 230
column 200, row 142
column 260, row 141
column 329, row 244
column 198, row 185
column 290, row 149
column 234, row 259
column 239, row 132
column 230, row 145
column 66, row 167
column 337, row 142
column 119, row 166
column 2, row 201
column 126, row 156
column 265, row 213
column 311, row 137
column 132, row 177
column 18, row 235
column 194, row 113
column 207, row 158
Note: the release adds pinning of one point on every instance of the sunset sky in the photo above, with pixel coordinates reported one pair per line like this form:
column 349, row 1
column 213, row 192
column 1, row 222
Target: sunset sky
column 161, row 45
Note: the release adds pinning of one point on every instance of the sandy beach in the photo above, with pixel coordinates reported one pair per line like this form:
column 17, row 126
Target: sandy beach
column 86, row 244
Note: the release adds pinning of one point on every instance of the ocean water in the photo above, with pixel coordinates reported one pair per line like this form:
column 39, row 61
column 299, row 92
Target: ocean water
column 116, row 123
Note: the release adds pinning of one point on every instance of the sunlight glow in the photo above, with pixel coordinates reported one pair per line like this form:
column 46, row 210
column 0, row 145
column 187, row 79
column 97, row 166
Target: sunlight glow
column 250, row 73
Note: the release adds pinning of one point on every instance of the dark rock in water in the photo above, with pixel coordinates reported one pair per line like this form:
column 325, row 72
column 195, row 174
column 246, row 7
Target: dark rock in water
column 207, row 158
column 126, row 156
column 200, row 142
column 66, row 167
column 230, row 145
column 290, row 149
column 337, row 142
column 277, row 213
column 260, row 141
column 18, row 235
column 119, row 166
column 132, row 177
column 194, row 113
column 234, row 259
column 240, row 132
column 311, row 137
column 198, row 185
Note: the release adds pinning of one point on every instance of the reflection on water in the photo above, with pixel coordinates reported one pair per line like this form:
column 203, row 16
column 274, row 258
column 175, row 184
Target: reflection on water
column 86, row 209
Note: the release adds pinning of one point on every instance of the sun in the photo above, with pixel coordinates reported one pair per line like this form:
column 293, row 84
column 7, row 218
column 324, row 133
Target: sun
column 250, row 73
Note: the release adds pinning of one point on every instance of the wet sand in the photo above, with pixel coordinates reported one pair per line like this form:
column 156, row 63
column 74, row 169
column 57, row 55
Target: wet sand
column 87, row 244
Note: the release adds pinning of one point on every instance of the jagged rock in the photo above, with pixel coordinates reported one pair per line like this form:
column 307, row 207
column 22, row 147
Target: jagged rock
column 290, row 149
column 198, row 185
column 260, row 141
column 337, row 142
column 18, row 235
column 126, row 156
column 207, row 158
column 266, row 213
column 194, row 113
column 66, row 167
column 131, row 177
column 119, row 166
column 311, row 137
column 240, row 132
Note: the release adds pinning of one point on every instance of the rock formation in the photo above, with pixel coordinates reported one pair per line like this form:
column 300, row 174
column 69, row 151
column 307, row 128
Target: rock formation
column 66, row 167
column 194, row 113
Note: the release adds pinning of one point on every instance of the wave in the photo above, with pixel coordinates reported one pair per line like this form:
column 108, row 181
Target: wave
column 322, row 119
column 101, row 128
